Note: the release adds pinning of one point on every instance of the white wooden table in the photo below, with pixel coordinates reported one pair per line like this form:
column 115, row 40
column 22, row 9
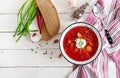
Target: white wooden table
column 18, row 60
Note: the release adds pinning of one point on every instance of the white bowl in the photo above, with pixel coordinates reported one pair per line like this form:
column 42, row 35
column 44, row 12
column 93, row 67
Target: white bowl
column 99, row 43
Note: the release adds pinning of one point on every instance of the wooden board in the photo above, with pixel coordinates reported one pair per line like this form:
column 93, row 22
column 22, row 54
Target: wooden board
column 26, row 59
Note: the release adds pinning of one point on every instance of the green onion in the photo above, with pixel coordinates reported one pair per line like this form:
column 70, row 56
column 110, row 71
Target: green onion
column 25, row 17
column 33, row 30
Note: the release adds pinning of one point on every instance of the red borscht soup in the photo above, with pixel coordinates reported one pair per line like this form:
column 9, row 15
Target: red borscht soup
column 80, row 43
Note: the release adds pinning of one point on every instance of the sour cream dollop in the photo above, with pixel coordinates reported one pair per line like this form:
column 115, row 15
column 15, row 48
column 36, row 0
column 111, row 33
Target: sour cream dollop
column 80, row 43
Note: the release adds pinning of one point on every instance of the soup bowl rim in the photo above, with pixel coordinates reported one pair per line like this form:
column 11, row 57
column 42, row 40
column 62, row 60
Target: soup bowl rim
column 76, row 24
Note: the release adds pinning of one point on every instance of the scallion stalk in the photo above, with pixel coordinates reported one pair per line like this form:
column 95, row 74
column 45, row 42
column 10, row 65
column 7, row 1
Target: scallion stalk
column 25, row 17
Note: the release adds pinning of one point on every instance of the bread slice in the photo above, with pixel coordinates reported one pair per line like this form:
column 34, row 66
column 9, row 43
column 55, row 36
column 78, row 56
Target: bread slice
column 45, row 35
column 50, row 16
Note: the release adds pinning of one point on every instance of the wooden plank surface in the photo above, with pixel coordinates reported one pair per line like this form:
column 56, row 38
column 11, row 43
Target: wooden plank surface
column 13, row 6
column 34, row 72
column 26, row 59
column 26, row 43
column 38, row 57
column 9, row 21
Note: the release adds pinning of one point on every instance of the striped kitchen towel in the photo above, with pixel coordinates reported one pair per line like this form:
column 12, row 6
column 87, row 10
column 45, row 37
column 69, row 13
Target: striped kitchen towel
column 107, row 64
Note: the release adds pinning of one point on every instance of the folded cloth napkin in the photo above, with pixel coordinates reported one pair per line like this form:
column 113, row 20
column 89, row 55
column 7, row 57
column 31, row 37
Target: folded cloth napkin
column 107, row 64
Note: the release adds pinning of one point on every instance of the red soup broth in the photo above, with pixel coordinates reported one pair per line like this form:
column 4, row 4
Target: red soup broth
column 80, row 54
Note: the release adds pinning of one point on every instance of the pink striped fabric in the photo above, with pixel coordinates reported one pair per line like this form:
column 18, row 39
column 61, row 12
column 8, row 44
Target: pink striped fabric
column 99, row 67
column 83, row 74
column 116, row 58
column 91, row 20
column 101, row 2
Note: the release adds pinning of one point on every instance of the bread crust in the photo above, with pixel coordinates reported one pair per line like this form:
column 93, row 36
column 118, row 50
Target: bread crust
column 50, row 16
column 45, row 35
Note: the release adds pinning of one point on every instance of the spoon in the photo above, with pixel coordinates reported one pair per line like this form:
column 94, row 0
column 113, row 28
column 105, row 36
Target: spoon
column 98, row 12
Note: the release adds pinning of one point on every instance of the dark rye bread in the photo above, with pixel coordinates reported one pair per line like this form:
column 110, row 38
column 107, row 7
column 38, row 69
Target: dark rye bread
column 50, row 16
column 45, row 35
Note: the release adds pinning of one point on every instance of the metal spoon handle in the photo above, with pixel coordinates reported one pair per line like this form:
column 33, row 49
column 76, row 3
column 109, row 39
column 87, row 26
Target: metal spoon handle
column 108, row 36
